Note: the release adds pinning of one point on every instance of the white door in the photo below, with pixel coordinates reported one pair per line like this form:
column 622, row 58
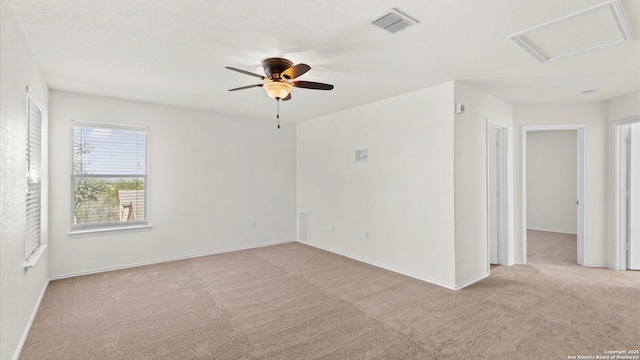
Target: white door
column 633, row 197
column 493, row 136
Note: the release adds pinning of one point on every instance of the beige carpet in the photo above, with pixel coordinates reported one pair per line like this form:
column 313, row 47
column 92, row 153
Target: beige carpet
column 551, row 248
column 292, row 301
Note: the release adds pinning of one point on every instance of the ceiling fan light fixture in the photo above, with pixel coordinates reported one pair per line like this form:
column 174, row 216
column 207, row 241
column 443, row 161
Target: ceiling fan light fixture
column 277, row 89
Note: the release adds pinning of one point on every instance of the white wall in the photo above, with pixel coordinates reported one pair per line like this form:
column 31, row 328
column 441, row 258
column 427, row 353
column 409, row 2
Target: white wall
column 210, row 176
column 623, row 107
column 404, row 194
column 593, row 114
column 552, row 181
column 471, row 178
column 20, row 291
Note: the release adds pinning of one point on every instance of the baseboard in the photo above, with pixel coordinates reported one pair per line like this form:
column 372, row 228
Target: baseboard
column 158, row 261
column 372, row 263
column 596, row 265
column 472, row 281
column 16, row 354
column 550, row 230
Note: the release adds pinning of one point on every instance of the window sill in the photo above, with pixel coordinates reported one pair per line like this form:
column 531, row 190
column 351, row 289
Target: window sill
column 108, row 231
column 33, row 259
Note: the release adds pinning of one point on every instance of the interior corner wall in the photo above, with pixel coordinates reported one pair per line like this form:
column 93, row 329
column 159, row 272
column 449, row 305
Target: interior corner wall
column 623, row 107
column 620, row 108
column 403, row 196
column 594, row 115
column 20, row 291
column 471, row 233
column 210, row 176
column 552, row 181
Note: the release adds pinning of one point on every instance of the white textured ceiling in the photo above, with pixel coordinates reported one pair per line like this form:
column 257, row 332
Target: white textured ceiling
column 174, row 51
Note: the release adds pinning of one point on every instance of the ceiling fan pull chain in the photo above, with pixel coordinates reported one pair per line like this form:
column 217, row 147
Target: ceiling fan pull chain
column 278, row 115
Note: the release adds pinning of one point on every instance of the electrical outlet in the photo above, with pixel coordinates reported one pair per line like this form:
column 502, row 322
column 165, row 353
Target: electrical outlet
column 253, row 225
column 367, row 236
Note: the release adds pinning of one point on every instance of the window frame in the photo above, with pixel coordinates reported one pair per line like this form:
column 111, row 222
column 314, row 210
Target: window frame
column 98, row 229
column 35, row 247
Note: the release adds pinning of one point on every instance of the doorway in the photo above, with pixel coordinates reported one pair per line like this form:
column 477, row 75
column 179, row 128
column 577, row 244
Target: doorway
column 581, row 161
column 497, row 194
column 627, row 194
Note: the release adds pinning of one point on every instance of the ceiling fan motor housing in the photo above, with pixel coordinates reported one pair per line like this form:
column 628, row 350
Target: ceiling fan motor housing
column 273, row 67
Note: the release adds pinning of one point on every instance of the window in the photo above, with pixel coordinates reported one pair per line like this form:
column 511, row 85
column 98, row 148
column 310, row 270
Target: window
column 109, row 176
column 33, row 243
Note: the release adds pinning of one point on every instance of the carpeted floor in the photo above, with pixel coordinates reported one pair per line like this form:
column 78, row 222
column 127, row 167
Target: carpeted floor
column 292, row 301
column 551, row 248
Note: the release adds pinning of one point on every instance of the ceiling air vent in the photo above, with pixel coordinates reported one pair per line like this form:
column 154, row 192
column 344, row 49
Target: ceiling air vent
column 393, row 21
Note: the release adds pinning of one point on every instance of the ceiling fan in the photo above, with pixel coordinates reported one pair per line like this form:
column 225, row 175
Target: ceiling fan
column 280, row 79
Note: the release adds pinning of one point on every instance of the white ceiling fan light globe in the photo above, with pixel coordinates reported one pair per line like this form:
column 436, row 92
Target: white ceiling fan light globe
column 277, row 89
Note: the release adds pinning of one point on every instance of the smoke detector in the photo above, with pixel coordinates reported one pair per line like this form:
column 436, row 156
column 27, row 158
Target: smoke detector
column 393, row 21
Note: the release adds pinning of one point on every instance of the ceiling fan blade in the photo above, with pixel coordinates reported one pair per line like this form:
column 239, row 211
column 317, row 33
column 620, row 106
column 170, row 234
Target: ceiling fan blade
column 295, row 71
column 287, row 98
column 246, row 87
column 245, row 72
column 312, row 85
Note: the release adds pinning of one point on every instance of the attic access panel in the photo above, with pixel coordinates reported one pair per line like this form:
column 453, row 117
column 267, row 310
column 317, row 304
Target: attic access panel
column 590, row 29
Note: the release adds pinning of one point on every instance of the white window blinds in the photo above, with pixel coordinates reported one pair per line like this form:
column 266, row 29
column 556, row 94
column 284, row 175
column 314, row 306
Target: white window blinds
column 34, row 141
column 109, row 176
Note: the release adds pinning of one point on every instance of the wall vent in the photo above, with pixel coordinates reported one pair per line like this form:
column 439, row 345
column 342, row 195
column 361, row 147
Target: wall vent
column 393, row 21
column 305, row 227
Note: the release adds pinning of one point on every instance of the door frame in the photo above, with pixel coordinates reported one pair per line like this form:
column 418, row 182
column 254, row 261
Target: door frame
column 581, row 133
column 619, row 247
column 503, row 185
